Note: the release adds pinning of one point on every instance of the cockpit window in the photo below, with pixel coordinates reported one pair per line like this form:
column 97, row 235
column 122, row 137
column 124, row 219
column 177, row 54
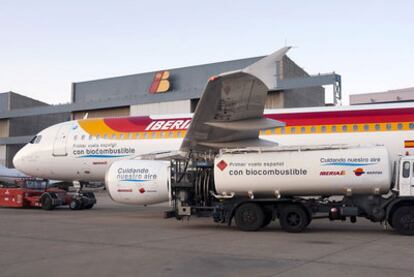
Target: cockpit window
column 33, row 140
column 38, row 138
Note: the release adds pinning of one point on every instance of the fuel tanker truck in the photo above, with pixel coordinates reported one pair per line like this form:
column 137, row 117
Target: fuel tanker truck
column 254, row 186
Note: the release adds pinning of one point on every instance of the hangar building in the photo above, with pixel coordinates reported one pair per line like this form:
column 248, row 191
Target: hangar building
column 163, row 92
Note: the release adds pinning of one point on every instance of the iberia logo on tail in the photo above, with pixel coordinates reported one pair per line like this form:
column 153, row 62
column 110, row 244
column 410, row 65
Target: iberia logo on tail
column 160, row 82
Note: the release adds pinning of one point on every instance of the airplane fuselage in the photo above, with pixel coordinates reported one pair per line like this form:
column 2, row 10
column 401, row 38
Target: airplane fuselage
column 83, row 149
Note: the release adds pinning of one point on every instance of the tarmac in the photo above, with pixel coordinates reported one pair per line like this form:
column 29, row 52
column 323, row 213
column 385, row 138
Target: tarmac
column 117, row 240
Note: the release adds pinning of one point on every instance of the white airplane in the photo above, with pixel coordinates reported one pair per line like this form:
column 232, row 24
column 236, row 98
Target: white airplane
column 230, row 114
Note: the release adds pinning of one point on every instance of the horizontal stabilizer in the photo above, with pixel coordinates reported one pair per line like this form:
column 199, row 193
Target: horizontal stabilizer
column 240, row 144
column 247, row 124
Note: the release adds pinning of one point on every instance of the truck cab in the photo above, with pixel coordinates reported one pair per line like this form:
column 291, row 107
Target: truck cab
column 405, row 176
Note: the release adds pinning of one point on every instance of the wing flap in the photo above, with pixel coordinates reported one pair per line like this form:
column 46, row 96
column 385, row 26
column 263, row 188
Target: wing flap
column 240, row 144
column 248, row 124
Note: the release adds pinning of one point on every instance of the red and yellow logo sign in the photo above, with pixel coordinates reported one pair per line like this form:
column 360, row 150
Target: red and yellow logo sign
column 160, row 82
column 409, row 144
column 222, row 165
column 359, row 171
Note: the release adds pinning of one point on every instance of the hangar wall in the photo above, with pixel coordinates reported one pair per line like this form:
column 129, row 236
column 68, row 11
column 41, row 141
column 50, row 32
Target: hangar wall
column 169, row 107
column 114, row 112
column 17, row 130
column 299, row 97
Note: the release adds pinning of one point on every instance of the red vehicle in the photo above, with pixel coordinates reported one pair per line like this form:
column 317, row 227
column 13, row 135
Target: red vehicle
column 35, row 193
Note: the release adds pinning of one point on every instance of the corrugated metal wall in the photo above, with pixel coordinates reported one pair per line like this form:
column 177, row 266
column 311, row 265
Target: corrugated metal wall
column 4, row 128
column 116, row 112
column 162, row 108
column 274, row 100
column 3, row 155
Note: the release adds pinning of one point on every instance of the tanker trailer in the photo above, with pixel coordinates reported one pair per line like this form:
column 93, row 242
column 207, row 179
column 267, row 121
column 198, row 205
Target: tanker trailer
column 255, row 186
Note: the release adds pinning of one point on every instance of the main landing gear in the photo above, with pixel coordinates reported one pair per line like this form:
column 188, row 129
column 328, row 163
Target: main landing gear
column 80, row 199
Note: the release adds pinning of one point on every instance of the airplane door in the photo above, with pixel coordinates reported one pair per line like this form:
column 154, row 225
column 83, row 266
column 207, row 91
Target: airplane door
column 59, row 144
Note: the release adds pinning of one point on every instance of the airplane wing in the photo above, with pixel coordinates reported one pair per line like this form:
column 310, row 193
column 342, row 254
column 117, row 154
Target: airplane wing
column 230, row 111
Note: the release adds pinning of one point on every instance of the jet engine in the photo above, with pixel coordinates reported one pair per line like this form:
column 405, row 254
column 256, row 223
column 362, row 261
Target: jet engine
column 139, row 182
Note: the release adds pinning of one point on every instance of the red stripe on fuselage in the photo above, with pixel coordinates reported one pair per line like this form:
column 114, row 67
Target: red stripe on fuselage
column 139, row 124
column 345, row 117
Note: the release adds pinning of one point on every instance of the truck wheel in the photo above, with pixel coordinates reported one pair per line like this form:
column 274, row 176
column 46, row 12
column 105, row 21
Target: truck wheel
column 249, row 217
column 75, row 204
column 403, row 220
column 47, row 202
column 294, row 219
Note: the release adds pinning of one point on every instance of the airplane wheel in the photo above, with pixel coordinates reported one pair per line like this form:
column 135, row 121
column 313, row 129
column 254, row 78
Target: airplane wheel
column 75, row 204
column 88, row 207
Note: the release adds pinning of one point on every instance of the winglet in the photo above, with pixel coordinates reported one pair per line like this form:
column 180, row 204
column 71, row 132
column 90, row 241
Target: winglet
column 266, row 69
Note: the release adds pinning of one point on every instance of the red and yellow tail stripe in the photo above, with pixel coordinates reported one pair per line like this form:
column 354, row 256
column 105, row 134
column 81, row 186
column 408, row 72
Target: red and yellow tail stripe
column 409, row 144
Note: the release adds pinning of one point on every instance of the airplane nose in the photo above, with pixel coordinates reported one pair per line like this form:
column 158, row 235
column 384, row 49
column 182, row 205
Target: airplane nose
column 18, row 160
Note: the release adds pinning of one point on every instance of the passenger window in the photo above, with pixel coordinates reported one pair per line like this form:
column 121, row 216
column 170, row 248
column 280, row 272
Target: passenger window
column 171, row 134
column 145, row 135
column 399, row 126
column 323, row 129
column 179, row 134
column 344, row 128
column 303, row 130
column 377, row 127
column 83, row 137
column 90, row 137
column 293, row 130
column 75, row 137
column 411, row 125
column 113, row 136
column 406, row 170
column 388, row 126
column 282, row 130
column 121, row 136
column 105, row 136
column 130, row 136
column 355, row 127
column 333, row 128
column 313, row 129
column 366, row 127
column 98, row 136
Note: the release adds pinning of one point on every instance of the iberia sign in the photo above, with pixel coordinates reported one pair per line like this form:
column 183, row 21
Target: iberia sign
column 160, row 83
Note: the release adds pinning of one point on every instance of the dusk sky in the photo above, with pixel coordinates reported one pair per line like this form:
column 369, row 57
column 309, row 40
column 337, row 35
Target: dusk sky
column 47, row 45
